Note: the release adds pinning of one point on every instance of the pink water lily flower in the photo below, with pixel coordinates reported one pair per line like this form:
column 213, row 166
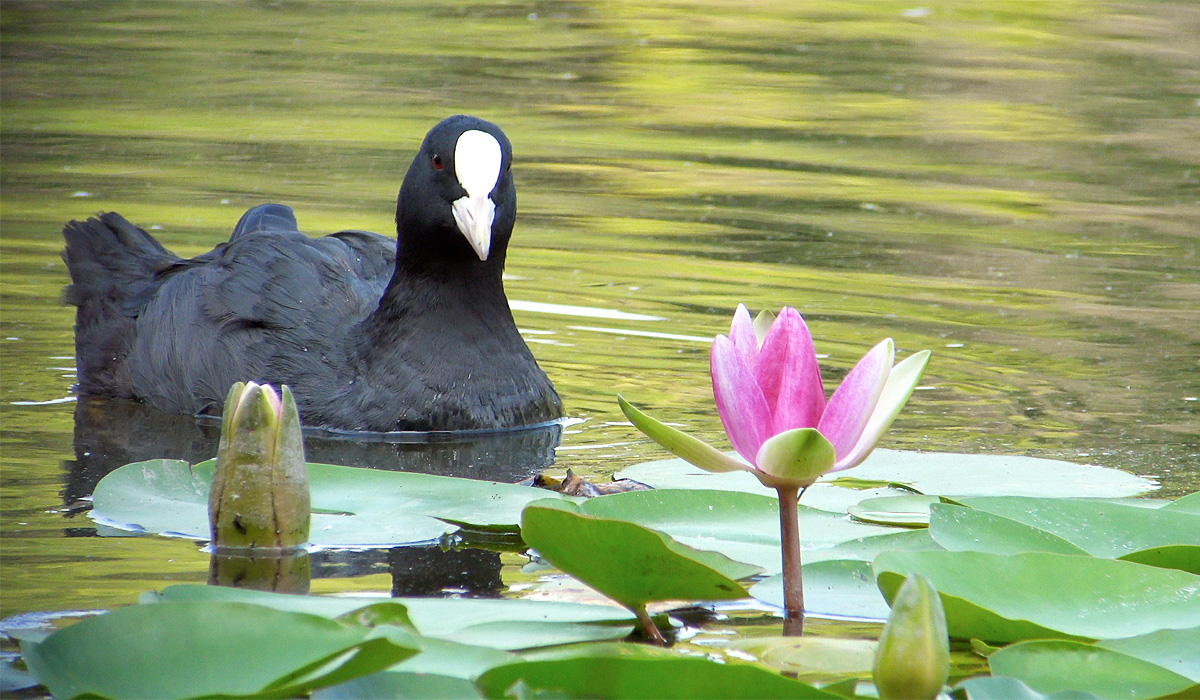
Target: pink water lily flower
column 767, row 387
column 771, row 400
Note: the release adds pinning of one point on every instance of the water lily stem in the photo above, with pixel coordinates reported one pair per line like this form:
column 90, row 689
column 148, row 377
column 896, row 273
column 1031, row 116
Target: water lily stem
column 649, row 627
column 793, row 582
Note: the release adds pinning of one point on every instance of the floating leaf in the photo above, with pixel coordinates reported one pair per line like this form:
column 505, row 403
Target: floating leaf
column 1052, row 665
column 1185, row 557
column 635, row 672
column 194, row 649
column 1009, row 598
column 1186, row 504
column 442, row 670
column 901, row 511
column 352, row 507
column 500, row 624
column 959, row 528
column 932, row 473
column 997, row 688
column 631, row 564
column 1174, row 650
column 742, row 526
column 1101, row 528
column 837, row 587
column 818, row 658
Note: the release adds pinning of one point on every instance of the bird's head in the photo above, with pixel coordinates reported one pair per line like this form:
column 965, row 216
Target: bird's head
column 458, row 200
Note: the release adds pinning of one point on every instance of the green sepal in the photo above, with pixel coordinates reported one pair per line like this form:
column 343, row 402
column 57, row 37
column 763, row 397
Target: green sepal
column 680, row 443
column 799, row 456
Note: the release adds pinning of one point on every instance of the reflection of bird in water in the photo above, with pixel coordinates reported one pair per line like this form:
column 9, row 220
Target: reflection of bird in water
column 370, row 334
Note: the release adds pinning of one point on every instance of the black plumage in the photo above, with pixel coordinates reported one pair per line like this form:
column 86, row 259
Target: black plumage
column 370, row 334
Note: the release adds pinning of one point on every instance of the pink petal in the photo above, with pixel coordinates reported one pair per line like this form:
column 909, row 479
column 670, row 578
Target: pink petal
column 740, row 402
column 899, row 387
column 789, row 374
column 741, row 332
column 852, row 404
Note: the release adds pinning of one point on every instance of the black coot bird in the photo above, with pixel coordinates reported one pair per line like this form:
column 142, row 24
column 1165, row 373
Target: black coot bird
column 370, row 334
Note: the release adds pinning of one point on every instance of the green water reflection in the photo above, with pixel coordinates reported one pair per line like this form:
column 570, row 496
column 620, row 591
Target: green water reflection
column 1013, row 185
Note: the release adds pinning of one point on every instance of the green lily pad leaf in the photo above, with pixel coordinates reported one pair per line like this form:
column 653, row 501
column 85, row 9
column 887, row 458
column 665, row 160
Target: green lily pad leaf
column 1186, row 504
column 1053, row 665
column 629, row 563
column 959, row 528
column 815, row 658
column 742, row 526
column 1002, row 688
column 932, row 473
column 500, row 624
column 1174, row 650
column 901, row 511
column 193, row 649
column 867, row 548
column 841, row 588
column 1101, row 528
column 1185, row 557
column 1000, row 598
column 634, row 671
column 352, row 507
column 442, row 670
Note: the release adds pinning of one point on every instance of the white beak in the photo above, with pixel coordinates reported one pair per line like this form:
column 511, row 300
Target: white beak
column 474, row 217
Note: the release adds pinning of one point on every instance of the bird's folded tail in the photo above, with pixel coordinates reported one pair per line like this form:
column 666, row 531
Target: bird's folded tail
column 115, row 270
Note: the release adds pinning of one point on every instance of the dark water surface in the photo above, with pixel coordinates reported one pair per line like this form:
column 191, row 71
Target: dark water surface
column 1013, row 185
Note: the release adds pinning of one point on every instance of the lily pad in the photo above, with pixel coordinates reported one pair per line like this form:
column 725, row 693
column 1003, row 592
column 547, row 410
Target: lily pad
column 901, row 511
column 742, row 526
column 1174, row 650
column 352, row 507
column 933, row 473
column 194, row 649
column 959, row 528
column 838, row 588
column 817, row 658
column 1051, row 666
column 1000, row 598
column 500, row 624
column 442, row 670
column 1101, row 528
column 1003, row 688
column 629, row 563
column 1185, row 557
column 1187, row 504
column 633, row 672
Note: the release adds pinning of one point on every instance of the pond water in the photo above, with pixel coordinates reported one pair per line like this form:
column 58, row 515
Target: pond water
column 1015, row 186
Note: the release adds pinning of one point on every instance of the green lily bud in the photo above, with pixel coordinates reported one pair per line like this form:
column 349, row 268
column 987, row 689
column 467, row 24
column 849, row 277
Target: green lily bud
column 259, row 496
column 913, row 658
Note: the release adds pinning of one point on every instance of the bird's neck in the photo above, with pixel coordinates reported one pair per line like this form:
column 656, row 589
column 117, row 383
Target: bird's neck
column 427, row 297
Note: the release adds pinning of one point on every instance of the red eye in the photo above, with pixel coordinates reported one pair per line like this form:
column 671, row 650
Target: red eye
column 437, row 162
